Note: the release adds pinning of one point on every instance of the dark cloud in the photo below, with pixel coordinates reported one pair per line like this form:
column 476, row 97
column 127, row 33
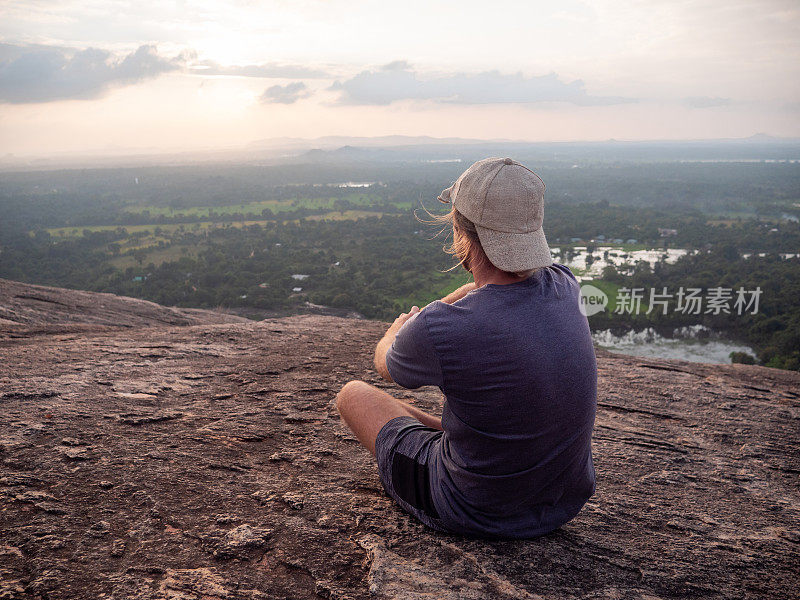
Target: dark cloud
column 706, row 102
column 30, row 74
column 285, row 94
column 397, row 81
column 266, row 70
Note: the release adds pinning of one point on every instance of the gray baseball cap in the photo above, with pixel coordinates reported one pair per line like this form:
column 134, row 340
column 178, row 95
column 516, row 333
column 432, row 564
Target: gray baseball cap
column 505, row 201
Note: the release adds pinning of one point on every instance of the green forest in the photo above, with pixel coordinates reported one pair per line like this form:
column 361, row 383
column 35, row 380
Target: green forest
column 266, row 247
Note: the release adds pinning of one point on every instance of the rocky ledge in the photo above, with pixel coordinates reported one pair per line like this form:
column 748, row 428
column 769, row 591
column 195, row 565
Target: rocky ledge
column 188, row 455
column 27, row 310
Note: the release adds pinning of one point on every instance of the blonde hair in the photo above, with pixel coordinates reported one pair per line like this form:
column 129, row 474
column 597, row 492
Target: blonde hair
column 466, row 246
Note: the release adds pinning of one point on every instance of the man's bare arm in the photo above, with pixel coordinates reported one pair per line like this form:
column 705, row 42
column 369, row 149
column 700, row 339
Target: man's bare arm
column 458, row 294
column 380, row 357
column 386, row 341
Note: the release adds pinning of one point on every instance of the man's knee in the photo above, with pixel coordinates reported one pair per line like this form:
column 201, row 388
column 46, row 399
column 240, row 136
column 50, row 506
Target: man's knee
column 350, row 393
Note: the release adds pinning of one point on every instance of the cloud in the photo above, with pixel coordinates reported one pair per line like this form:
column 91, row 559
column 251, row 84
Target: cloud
column 706, row 101
column 285, row 94
column 266, row 70
column 397, row 65
column 30, row 74
column 398, row 81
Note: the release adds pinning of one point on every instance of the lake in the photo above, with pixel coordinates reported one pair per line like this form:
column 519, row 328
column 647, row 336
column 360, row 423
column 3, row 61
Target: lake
column 695, row 344
column 586, row 269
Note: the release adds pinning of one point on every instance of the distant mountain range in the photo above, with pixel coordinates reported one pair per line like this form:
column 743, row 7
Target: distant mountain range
column 386, row 141
column 337, row 141
column 291, row 150
column 428, row 149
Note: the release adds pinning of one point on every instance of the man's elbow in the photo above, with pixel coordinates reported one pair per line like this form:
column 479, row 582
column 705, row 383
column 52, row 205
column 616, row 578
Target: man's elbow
column 380, row 367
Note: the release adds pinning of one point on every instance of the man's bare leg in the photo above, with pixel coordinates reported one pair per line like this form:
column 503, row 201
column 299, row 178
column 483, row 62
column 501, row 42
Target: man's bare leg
column 365, row 409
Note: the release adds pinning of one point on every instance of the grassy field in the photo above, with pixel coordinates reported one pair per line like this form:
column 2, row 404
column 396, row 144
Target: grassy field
column 72, row 232
column 254, row 208
column 155, row 255
column 141, row 246
column 347, row 215
column 445, row 283
column 609, row 289
column 197, row 227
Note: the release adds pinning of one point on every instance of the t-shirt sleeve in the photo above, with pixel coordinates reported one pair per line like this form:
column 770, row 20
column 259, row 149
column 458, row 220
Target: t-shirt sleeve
column 566, row 270
column 412, row 360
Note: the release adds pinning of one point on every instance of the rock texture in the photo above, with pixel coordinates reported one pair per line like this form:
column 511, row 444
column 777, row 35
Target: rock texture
column 27, row 310
column 182, row 457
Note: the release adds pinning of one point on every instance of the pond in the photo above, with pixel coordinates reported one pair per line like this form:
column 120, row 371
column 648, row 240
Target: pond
column 695, row 344
column 586, row 269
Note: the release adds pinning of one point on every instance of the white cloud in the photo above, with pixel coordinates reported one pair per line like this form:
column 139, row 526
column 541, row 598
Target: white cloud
column 398, row 81
column 30, row 74
column 41, row 73
column 265, row 70
column 699, row 69
column 285, row 94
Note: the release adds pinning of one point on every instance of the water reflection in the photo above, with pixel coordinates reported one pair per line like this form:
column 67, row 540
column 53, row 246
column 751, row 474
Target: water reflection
column 589, row 265
column 695, row 344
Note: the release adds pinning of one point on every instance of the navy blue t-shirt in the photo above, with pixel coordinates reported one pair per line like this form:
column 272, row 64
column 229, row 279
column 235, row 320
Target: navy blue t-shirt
column 517, row 368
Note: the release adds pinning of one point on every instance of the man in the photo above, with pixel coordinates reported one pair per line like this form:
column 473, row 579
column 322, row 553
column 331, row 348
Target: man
column 512, row 353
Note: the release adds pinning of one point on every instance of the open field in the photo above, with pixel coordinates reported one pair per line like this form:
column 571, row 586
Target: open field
column 610, row 290
column 446, row 283
column 199, row 226
column 74, row 232
column 254, row 208
column 156, row 256
column 346, row 215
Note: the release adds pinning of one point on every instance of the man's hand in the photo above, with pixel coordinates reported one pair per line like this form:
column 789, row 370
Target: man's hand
column 386, row 342
column 399, row 321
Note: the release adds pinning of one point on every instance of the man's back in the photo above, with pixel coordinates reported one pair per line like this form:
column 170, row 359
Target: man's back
column 517, row 367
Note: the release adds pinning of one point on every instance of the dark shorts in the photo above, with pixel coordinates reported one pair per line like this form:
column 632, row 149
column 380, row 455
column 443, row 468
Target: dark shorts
column 403, row 448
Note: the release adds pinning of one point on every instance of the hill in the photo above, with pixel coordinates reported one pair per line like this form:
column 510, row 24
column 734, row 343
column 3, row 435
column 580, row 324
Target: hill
column 153, row 453
column 28, row 310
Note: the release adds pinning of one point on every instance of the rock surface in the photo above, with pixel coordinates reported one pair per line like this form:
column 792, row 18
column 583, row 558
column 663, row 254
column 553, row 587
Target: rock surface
column 27, row 309
column 182, row 457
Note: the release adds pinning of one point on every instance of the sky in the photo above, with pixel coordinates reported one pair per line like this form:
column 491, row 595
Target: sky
column 141, row 76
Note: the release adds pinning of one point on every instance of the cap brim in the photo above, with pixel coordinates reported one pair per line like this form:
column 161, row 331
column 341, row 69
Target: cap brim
column 515, row 251
column 444, row 197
